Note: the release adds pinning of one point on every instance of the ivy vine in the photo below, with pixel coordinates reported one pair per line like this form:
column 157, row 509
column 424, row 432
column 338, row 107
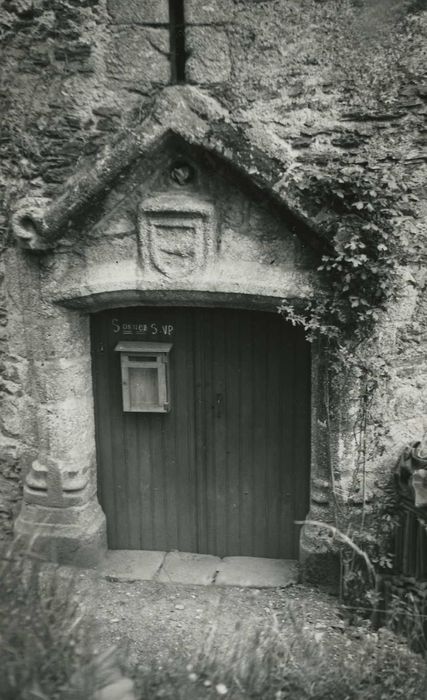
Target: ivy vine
column 359, row 214
column 363, row 216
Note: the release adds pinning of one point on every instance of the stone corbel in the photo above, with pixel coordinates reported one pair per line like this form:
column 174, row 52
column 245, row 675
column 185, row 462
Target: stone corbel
column 29, row 223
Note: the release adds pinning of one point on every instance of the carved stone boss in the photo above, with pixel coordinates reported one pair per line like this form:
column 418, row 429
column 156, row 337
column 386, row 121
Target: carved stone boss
column 177, row 234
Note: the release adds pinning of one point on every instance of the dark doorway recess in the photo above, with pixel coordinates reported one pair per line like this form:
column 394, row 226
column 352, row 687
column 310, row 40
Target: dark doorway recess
column 225, row 470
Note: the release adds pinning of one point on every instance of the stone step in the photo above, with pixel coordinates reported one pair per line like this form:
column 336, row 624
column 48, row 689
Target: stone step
column 198, row 569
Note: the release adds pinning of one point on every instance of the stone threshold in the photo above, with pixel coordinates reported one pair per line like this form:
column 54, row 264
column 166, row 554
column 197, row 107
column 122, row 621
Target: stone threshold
column 198, row 569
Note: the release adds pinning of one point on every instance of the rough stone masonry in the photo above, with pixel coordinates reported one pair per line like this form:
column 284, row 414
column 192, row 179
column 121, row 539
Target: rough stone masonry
column 272, row 90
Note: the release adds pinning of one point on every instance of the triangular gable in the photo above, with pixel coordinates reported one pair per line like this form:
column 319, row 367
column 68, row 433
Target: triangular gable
column 188, row 113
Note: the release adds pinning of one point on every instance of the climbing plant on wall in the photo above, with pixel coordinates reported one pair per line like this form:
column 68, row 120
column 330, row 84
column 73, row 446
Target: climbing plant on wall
column 359, row 214
column 363, row 216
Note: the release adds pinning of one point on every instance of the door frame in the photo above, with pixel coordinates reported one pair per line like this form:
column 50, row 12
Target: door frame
column 77, row 530
column 320, row 502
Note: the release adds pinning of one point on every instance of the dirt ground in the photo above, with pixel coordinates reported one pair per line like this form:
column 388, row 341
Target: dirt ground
column 153, row 621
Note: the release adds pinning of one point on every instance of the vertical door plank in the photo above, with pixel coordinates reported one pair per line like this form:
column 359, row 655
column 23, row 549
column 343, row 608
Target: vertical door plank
column 131, row 447
column 221, row 427
column 209, row 352
column 143, row 466
column 232, row 442
column 259, row 407
column 274, row 462
column 183, row 414
column 200, row 429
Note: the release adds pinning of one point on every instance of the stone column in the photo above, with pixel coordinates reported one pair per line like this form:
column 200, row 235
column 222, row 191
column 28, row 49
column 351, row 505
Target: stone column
column 60, row 516
column 319, row 562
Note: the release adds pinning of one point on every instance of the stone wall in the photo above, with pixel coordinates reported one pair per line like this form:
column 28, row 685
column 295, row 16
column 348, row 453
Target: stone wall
column 316, row 84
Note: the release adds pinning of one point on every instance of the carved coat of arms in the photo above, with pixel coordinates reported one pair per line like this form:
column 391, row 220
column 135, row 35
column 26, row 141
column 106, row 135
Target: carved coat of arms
column 176, row 234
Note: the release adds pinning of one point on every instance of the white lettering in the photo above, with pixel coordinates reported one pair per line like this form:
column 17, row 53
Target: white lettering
column 116, row 325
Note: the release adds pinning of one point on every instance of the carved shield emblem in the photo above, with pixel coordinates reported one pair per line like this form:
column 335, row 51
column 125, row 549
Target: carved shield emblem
column 176, row 234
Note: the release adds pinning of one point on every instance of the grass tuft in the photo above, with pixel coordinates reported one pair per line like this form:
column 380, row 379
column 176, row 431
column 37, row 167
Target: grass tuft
column 42, row 635
column 289, row 663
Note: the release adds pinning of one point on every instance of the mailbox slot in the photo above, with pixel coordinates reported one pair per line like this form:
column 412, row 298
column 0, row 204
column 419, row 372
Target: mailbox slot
column 145, row 376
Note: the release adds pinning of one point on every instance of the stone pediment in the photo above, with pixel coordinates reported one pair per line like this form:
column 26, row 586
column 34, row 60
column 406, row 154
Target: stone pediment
column 197, row 119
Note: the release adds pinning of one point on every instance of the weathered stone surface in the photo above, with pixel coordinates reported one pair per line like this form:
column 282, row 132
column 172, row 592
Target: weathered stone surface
column 122, row 689
column 181, row 567
column 319, row 559
column 256, row 572
column 177, row 234
column 139, row 56
column 138, row 11
column 74, row 535
column 209, row 62
column 209, row 11
column 131, row 565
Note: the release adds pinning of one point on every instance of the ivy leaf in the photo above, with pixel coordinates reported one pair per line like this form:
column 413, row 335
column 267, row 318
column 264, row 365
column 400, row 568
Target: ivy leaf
column 359, row 205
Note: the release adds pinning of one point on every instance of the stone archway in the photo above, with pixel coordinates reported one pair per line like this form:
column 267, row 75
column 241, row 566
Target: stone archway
column 211, row 241
column 60, row 502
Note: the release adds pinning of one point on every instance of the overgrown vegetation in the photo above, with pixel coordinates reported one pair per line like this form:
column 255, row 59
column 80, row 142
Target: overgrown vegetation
column 42, row 635
column 293, row 663
column 360, row 215
column 45, row 649
column 366, row 213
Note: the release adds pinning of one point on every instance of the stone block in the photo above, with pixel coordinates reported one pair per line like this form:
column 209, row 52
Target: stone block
column 131, row 565
column 209, row 61
column 60, row 378
column 209, row 12
column 74, row 535
column 139, row 55
column 122, row 689
column 256, row 572
column 69, row 425
column 183, row 567
column 138, row 11
column 319, row 558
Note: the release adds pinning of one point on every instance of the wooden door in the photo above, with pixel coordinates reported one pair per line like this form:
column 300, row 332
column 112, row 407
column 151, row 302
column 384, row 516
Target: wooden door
column 226, row 470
